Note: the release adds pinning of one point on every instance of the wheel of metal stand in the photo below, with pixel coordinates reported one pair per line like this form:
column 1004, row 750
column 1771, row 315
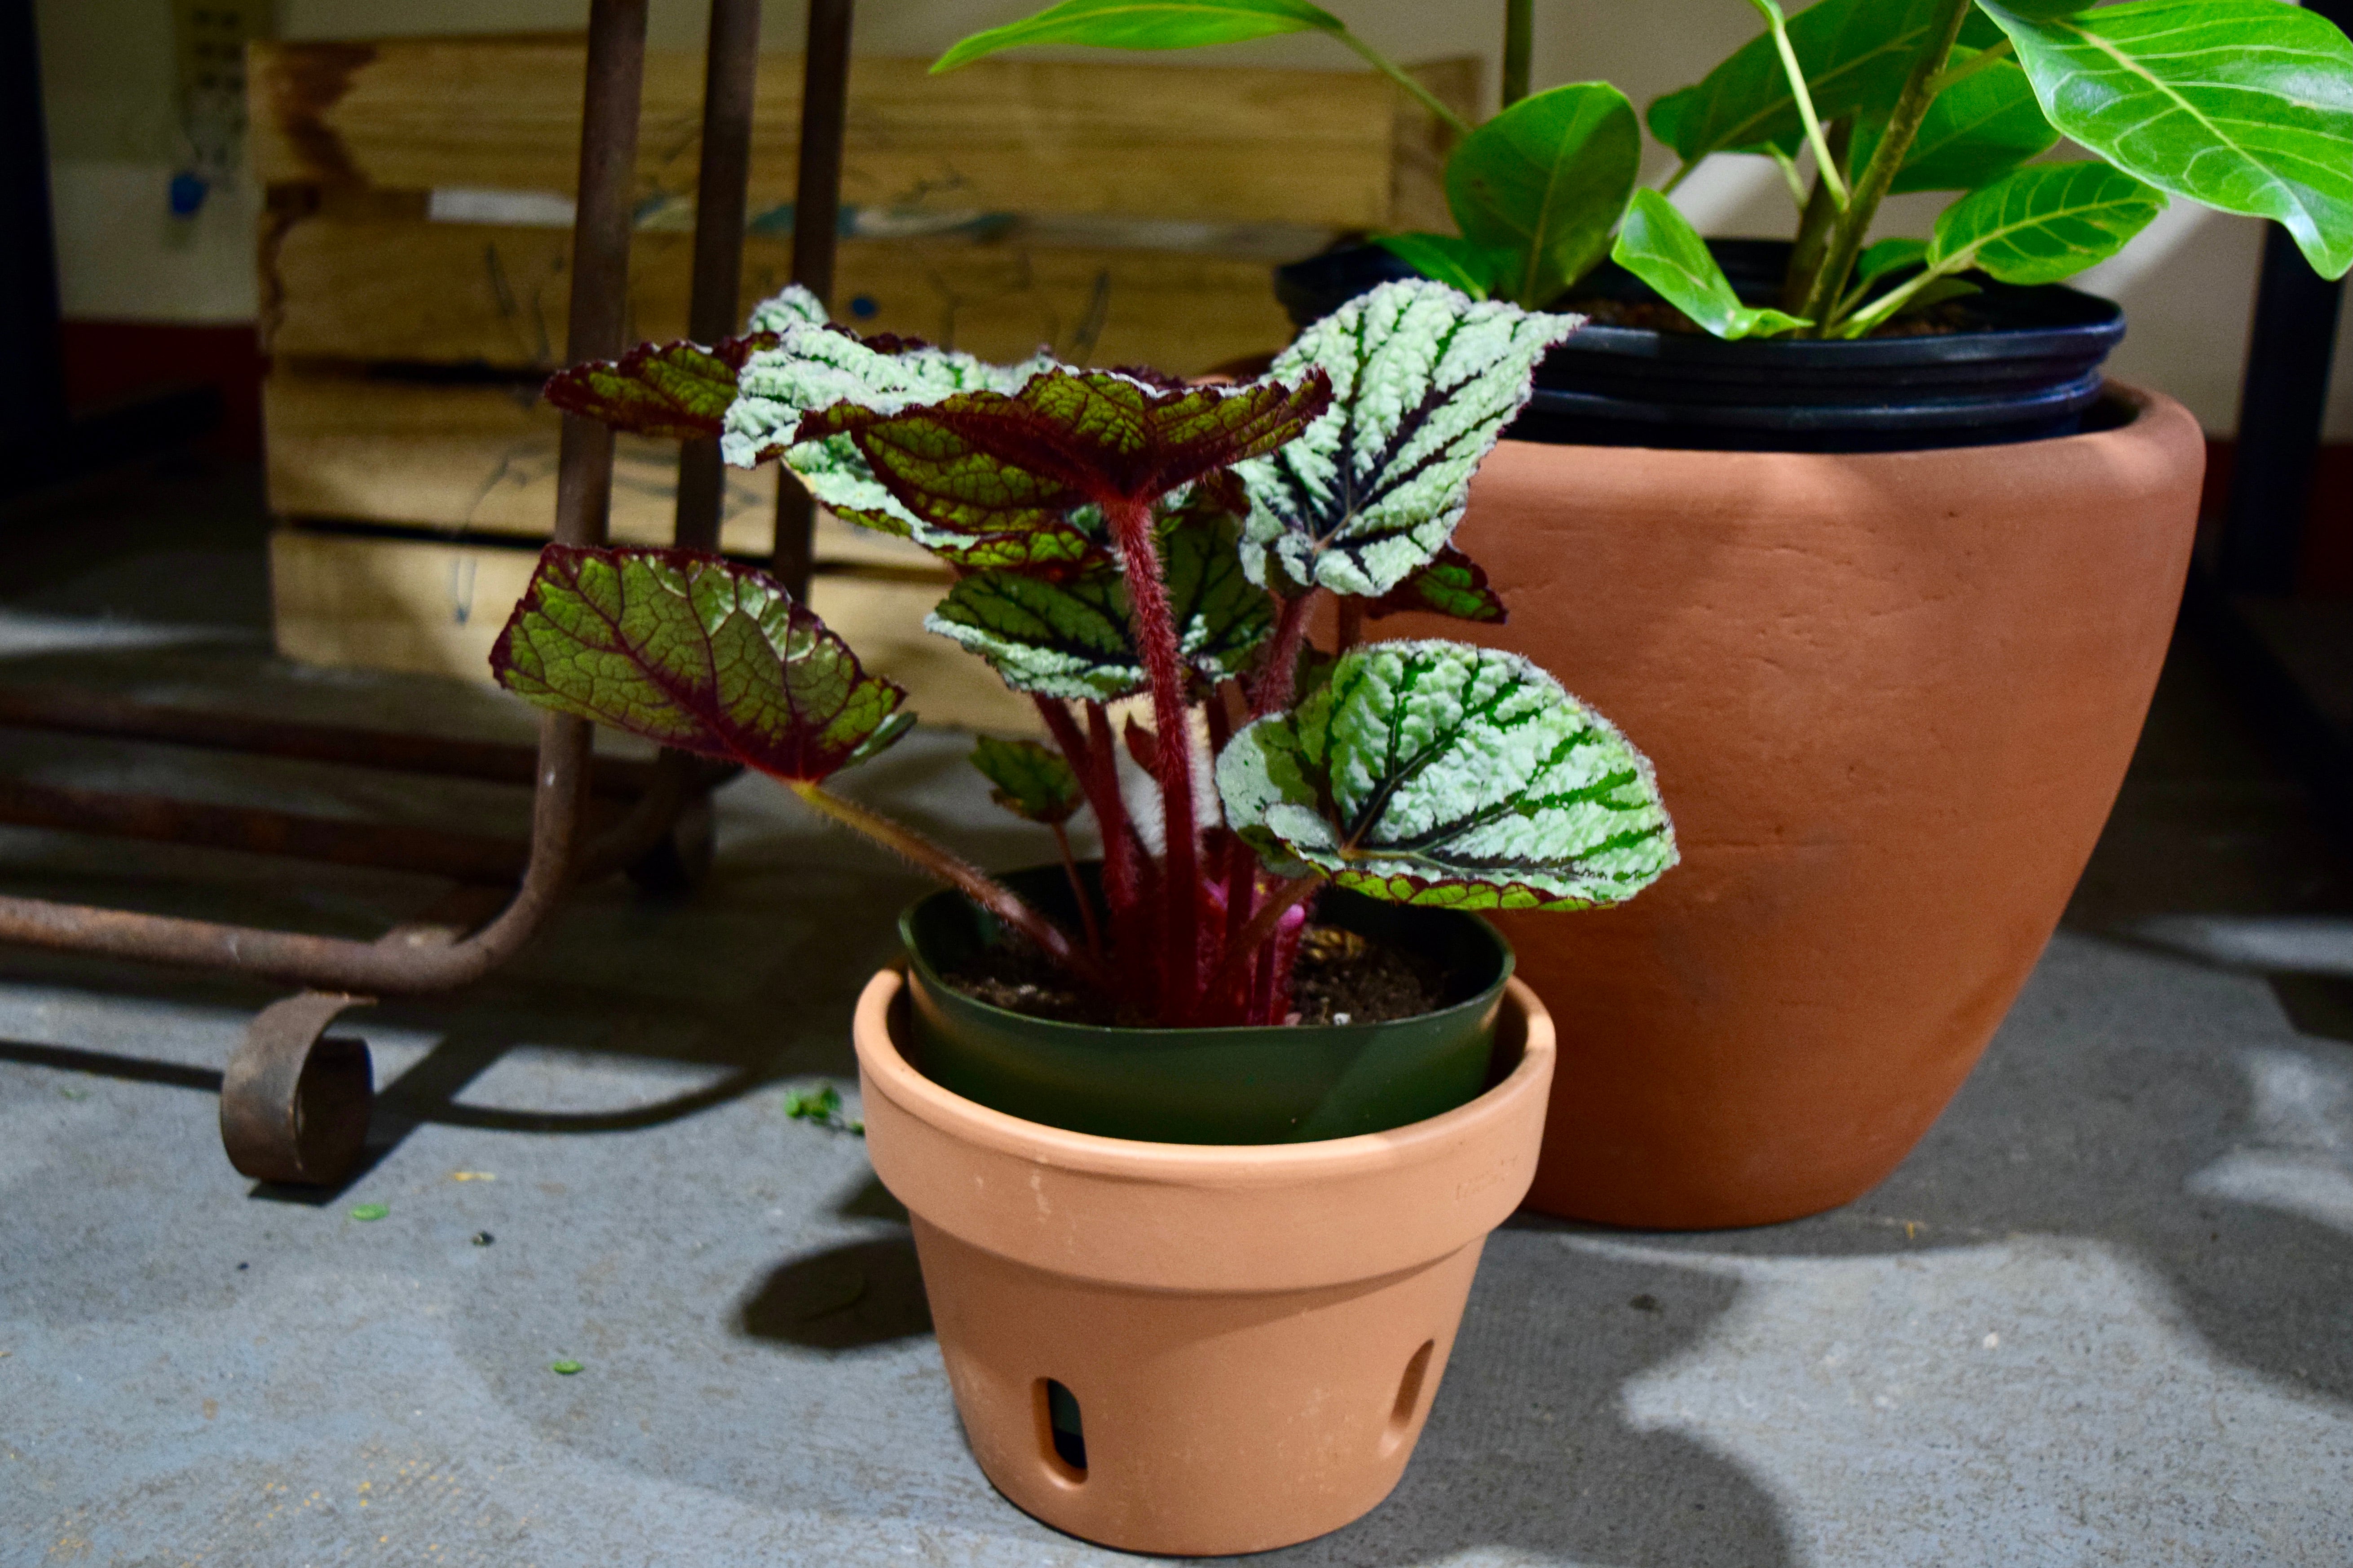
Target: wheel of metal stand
column 294, row 1101
column 681, row 859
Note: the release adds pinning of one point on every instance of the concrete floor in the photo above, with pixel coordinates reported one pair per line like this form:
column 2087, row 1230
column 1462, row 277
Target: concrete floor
column 2105, row 1314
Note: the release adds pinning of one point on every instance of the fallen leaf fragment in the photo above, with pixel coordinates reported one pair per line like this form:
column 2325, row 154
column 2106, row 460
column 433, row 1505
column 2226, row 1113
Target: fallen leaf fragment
column 563, row 1368
column 369, row 1211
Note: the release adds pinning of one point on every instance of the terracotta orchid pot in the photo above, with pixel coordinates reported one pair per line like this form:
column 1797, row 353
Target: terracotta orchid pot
column 1197, row 1349
column 1891, row 698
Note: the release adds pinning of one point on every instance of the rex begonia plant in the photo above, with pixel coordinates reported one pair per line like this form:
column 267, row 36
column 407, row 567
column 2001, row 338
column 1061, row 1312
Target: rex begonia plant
column 1114, row 534
column 2245, row 106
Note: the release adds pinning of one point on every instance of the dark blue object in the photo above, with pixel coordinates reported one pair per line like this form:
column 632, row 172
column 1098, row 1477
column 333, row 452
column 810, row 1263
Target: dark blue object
column 863, row 307
column 2026, row 367
column 188, row 193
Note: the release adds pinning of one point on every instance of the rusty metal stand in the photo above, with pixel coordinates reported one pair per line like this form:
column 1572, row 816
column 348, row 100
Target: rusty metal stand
column 295, row 1103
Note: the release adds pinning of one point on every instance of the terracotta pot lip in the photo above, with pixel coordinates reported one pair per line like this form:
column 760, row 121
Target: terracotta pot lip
column 1131, row 1159
column 2144, row 404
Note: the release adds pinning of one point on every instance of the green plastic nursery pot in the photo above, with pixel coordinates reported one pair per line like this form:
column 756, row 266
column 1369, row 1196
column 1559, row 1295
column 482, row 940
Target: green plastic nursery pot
column 1231, row 1085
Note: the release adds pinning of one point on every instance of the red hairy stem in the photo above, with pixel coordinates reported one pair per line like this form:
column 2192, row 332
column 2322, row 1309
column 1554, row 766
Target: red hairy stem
column 1100, row 786
column 1272, row 692
column 1123, row 851
column 1241, row 861
column 1281, row 963
column 1129, row 880
column 1261, row 995
column 1079, row 891
column 1155, row 626
column 1065, row 731
column 959, row 873
column 1264, row 925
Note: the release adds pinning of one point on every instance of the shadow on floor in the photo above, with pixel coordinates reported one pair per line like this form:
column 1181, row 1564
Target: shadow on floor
column 1528, row 1446
column 846, row 1297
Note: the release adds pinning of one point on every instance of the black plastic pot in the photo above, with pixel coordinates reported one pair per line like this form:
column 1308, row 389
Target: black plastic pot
column 1279, row 1085
column 2025, row 366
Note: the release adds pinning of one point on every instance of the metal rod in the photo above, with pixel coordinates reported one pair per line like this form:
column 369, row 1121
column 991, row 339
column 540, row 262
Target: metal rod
column 1519, row 36
column 730, row 79
column 326, row 963
column 817, row 218
column 608, row 138
column 430, row 851
column 77, row 710
column 598, row 319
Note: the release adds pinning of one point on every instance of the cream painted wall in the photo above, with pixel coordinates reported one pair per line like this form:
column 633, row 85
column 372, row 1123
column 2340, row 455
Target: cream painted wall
column 2186, row 284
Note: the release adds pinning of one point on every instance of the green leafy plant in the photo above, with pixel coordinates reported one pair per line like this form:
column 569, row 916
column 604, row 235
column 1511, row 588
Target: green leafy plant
column 1116, row 535
column 2242, row 105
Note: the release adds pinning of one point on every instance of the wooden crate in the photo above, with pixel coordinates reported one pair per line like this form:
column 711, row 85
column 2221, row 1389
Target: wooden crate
column 1339, row 148
column 374, row 288
column 1117, row 213
column 480, row 459
column 435, row 606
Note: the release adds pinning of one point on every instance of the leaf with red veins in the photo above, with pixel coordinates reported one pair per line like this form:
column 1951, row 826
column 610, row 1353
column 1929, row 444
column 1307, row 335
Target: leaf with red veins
column 690, row 650
column 1452, row 584
column 992, row 463
column 680, row 390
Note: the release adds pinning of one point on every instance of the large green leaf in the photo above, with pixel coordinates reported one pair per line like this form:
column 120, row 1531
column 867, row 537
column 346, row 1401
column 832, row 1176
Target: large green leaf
column 1429, row 772
column 1546, row 179
column 1980, row 128
column 1423, row 380
column 1073, row 639
column 2044, row 223
column 1478, row 270
column 2246, row 105
column 1855, row 54
column 1659, row 245
column 1145, row 25
column 1032, row 781
column 694, row 652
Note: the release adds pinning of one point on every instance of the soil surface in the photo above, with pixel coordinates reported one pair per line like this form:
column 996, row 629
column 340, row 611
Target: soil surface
column 1657, row 316
column 1342, row 978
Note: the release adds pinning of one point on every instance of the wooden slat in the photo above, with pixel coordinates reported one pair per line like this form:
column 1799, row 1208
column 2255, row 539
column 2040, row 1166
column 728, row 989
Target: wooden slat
column 363, row 288
column 480, row 458
column 1154, row 139
column 432, row 608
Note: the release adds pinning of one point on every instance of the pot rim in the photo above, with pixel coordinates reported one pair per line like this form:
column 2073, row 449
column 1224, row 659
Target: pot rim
column 2138, row 403
column 1188, row 1164
column 1149, row 1036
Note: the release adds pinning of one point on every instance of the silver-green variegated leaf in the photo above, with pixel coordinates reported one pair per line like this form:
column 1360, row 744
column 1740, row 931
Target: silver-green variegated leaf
column 1423, row 380
column 1072, row 639
column 816, row 366
column 1432, row 773
column 795, row 307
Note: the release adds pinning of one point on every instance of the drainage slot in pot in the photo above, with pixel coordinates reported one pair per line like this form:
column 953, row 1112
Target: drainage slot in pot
column 1409, row 1397
column 1064, row 1431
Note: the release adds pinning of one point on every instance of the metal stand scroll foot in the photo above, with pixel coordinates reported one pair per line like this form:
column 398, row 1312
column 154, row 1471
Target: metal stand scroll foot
column 295, row 1101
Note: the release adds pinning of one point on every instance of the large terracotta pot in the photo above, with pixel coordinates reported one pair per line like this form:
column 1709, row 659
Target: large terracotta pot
column 1891, row 698
column 1246, row 1338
